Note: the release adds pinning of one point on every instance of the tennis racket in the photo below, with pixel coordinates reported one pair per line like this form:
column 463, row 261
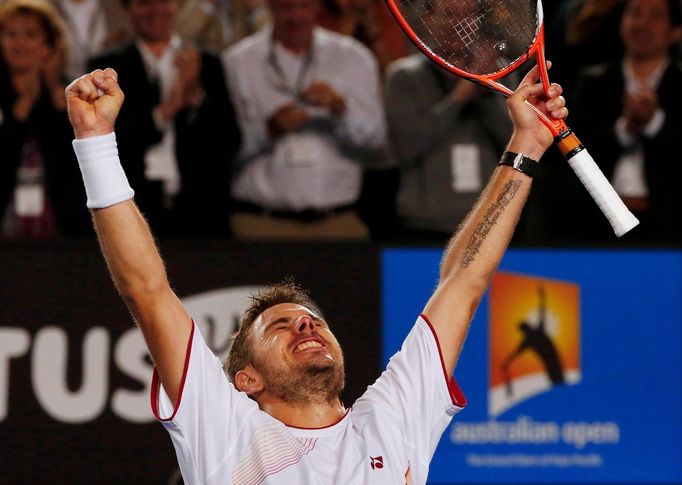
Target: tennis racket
column 484, row 41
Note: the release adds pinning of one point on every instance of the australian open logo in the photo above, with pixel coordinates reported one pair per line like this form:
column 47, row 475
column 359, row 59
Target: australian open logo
column 534, row 338
column 534, row 346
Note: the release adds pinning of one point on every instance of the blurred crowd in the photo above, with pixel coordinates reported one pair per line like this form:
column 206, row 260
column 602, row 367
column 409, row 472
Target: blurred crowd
column 317, row 120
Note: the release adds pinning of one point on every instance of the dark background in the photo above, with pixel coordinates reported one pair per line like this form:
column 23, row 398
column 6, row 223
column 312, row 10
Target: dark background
column 67, row 285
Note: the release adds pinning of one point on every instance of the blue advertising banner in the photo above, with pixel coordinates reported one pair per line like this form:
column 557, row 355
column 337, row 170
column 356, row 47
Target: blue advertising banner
column 572, row 367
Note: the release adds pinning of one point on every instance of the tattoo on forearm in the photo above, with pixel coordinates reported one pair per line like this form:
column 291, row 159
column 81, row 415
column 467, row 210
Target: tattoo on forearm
column 489, row 220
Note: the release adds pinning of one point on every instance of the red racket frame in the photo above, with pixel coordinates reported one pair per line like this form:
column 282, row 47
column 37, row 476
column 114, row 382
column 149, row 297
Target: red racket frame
column 564, row 137
column 621, row 219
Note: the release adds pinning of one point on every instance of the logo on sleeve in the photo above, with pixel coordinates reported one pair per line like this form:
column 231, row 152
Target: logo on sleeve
column 377, row 462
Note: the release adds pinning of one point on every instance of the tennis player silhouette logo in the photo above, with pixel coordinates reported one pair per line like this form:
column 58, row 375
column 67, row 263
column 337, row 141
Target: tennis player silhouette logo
column 537, row 340
column 534, row 338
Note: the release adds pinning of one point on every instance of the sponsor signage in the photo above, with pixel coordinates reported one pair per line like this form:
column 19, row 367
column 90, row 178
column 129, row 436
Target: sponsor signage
column 75, row 375
column 572, row 367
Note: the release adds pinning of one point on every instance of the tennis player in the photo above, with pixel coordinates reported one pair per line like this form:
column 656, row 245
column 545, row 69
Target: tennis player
column 278, row 419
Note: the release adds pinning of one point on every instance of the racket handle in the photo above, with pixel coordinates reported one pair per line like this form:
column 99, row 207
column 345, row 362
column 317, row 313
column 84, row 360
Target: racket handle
column 620, row 218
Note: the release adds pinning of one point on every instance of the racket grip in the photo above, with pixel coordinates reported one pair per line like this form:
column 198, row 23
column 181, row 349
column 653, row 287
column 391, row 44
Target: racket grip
column 620, row 218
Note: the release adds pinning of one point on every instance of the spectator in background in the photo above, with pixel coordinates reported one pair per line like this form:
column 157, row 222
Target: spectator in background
column 628, row 115
column 178, row 132
column 91, row 27
column 371, row 23
column 368, row 21
column 40, row 194
column 584, row 32
column 446, row 134
column 216, row 24
column 310, row 108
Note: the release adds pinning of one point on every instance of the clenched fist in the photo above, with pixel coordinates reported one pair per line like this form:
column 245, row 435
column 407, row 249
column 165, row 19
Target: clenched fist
column 93, row 102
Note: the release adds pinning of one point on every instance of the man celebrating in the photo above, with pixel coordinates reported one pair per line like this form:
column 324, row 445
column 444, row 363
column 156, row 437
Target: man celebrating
column 278, row 419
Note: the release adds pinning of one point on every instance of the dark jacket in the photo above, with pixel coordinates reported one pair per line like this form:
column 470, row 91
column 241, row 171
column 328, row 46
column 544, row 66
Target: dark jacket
column 561, row 207
column 53, row 132
column 207, row 138
column 598, row 104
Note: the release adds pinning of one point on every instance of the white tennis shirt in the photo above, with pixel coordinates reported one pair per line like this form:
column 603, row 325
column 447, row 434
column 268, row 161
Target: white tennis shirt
column 388, row 437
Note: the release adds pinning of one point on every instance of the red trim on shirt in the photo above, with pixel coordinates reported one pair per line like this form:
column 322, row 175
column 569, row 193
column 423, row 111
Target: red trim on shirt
column 156, row 383
column 456, row 394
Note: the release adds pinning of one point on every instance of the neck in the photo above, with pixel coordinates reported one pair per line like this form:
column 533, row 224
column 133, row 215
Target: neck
column 20, row 77
column 19, row 74
column 295, row 46
column 644, row 66
column 305, row 415
column 157, row 47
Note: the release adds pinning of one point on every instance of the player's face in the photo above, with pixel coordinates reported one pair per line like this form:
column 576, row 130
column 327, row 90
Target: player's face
column 294, row 347
column 296, row 335
column 646, row 28
column 23, row 42
column 153, row 19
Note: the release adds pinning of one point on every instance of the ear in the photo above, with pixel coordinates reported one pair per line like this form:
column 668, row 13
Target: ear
column 675, row 35
column 249, row 380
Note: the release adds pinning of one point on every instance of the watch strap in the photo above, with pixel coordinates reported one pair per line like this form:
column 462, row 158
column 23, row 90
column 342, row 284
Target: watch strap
column 519, row 162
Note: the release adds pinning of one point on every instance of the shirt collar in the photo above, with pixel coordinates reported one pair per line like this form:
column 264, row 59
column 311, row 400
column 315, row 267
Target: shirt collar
column 632, row 84
column 150, row 60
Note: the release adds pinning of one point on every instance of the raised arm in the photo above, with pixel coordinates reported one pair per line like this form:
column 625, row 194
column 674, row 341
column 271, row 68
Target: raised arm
column 93, row 102
column 542, row 307
column 475, row 251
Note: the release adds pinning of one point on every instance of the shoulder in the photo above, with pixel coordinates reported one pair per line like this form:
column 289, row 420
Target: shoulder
column 339, row 44
column 254, row 45
column 668, row 89
column 114, row 57
column 675, row 69
column 406, row 65
column 112, row 6
column 602, row 71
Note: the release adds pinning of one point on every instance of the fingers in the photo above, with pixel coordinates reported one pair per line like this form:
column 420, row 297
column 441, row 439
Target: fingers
column 109, row 72
column 289, row 117
column 323, row 94
column 90, row 87
column 83, row 88
column 557, row 107
column 293, row 119
column 525, row 92
column 533, row 76
column 106, row 81
column 555, row 90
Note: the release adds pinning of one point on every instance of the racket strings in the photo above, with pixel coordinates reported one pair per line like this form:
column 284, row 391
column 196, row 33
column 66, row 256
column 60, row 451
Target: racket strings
column 477, row 36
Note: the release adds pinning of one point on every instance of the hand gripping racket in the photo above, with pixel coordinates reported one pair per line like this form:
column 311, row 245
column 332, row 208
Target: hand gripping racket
column 485, row 40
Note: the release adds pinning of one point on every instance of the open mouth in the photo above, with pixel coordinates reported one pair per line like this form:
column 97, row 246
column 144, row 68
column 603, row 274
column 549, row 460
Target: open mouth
column 309, row 344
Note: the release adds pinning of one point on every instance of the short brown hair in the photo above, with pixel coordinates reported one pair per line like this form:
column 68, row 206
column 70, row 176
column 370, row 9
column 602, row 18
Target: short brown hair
column 47, row 14
column 286, row 291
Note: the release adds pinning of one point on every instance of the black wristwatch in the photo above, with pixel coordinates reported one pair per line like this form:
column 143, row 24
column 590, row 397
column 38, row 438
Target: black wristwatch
column 519, row 162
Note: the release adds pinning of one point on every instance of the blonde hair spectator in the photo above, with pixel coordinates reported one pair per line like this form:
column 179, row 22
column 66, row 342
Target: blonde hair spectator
column 48, row 16
column 37, row 189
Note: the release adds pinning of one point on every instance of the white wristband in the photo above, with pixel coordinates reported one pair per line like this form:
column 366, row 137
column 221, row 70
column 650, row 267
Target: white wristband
column 105, row 181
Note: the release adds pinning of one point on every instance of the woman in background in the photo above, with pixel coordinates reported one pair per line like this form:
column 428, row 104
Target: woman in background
column 40, row 197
